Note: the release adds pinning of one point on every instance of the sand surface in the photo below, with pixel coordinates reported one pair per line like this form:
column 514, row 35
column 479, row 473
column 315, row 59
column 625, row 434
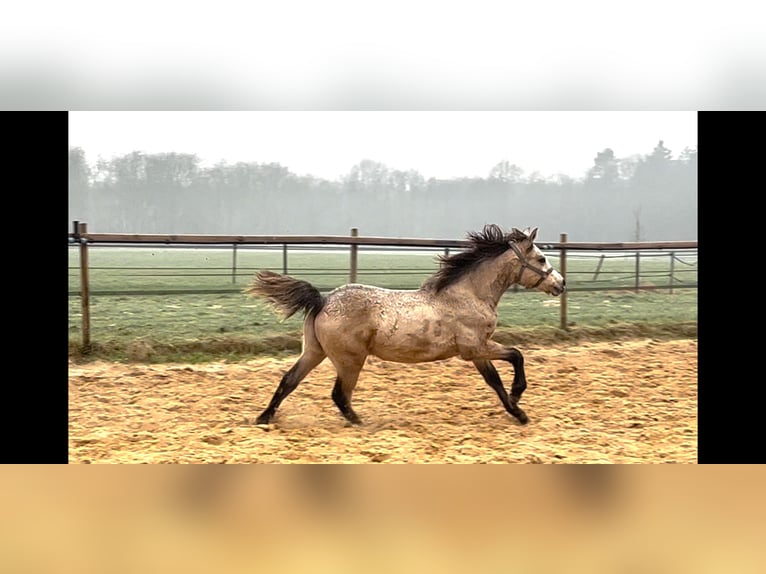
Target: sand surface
column 618, row 402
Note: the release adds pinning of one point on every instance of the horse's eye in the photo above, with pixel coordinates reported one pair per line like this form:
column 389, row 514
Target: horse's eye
column 541, row 259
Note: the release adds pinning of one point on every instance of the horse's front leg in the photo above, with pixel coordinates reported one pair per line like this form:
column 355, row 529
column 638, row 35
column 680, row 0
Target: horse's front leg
column 519, row 377
column 482, row 355
column 491, row 376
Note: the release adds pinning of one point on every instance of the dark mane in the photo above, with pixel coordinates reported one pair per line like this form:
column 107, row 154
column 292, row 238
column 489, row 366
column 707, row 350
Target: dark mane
column 485, row 244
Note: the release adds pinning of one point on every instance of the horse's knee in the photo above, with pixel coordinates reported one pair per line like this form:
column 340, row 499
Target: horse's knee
column 515, row 357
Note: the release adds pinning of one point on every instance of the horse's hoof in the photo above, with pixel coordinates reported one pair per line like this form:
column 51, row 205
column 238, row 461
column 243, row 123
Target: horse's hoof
column 523, row 418
column 263, row 420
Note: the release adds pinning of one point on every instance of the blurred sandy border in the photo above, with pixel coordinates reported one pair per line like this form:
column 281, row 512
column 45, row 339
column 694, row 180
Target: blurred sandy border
column 379, row 519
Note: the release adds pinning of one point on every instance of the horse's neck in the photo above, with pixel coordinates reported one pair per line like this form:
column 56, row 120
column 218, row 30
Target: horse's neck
column 492, row 279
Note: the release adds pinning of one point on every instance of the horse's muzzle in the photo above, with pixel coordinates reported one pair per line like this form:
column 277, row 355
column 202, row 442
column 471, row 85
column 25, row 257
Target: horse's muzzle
column 556, row 290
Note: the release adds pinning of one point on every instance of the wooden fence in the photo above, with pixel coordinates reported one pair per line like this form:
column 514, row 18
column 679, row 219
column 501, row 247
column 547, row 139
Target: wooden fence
column 83, row 238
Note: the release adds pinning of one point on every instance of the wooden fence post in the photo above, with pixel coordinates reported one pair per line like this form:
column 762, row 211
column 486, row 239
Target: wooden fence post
column 598, row 267
column 284, row 258
column 353, row 262
column 672, row 261
column 563, row 271
column 234, row 265
column 638, row 269
column 82, row 228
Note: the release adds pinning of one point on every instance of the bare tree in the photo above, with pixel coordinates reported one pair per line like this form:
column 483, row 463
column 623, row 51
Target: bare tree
column 637, row 230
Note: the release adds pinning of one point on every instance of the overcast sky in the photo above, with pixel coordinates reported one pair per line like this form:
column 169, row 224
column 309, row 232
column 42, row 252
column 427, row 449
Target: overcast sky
column 436, row 143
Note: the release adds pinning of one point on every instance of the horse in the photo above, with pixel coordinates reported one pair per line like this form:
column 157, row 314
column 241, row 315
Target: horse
column 452, row 314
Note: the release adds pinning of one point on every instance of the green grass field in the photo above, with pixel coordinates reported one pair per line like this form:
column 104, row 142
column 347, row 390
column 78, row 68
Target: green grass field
column 130, row 320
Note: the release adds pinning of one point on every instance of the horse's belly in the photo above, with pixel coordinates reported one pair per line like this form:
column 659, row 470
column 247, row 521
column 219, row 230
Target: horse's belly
column 412, row 356
column 411, row 345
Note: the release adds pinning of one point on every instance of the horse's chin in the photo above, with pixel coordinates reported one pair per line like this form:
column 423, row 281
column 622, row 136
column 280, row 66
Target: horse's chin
column 556, row 291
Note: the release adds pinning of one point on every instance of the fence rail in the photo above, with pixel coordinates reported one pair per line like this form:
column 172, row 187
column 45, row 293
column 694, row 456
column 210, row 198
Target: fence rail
column 129, row 238
column 83, row 239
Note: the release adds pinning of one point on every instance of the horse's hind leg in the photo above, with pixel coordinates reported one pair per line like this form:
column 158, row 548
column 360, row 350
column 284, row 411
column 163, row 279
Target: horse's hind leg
column 310, row 359
column 491, row 376
column 345, row 382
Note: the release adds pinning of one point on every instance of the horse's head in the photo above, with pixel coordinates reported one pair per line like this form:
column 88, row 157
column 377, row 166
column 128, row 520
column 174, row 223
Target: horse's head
column 534, row 270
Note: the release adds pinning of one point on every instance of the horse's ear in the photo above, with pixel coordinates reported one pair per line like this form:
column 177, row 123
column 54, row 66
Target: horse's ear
column 529, row 238
column 515, row 231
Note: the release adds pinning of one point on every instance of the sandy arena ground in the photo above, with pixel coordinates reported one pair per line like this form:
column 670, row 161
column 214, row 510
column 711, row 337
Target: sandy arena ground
column 617, row 402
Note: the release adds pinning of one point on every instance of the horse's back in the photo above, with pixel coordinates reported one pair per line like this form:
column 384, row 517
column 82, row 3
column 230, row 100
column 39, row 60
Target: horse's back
column 355, row 302
column 395, row 325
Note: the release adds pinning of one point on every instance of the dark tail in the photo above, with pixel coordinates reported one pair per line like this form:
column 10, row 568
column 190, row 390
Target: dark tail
column 287, row 294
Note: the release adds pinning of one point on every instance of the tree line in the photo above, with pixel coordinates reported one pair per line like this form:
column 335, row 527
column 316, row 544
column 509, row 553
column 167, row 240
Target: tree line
column 647, row 197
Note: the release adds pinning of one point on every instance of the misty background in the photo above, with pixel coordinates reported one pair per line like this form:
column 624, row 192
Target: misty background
column 642, row 197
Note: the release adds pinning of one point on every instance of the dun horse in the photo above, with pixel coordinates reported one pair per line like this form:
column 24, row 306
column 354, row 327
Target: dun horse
column 454, row 313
